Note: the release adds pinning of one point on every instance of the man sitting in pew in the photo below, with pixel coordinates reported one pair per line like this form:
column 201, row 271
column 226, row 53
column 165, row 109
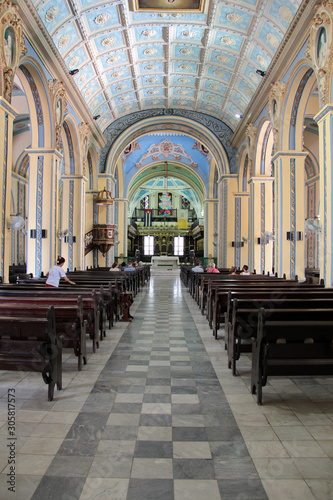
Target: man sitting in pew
column 129, row 266
column 56, row 273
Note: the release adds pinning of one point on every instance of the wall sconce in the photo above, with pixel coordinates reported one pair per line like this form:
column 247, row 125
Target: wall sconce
column 245, row 240
column 74, row 71
column 294, row 235
column 237, row 244
column 104, row 197
column 33, row 233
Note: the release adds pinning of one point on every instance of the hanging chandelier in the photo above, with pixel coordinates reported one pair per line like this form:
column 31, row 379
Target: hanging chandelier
column 165, row 202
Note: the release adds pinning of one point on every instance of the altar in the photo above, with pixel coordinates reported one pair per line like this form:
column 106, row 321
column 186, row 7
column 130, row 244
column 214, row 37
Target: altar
column 165, row 262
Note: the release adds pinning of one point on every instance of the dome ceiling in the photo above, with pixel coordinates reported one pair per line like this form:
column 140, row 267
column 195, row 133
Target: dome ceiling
column 193, row 55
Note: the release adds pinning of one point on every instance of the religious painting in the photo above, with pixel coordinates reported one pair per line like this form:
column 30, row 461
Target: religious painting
column 321, row 47
column 9, row 47
column 174, row 5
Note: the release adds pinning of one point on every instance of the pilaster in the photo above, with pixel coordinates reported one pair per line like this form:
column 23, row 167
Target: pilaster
column 289, row 213
column 227, row 186
column 325, row 124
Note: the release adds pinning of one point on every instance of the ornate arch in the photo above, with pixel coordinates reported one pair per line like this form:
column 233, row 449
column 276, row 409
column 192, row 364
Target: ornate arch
column 167, row 123
column 264, row 147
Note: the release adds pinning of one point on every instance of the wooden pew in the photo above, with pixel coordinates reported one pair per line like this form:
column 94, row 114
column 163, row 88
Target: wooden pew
column 291, row 342
column 30, row 344
column 90, row 302
column 70, row 326
column 245, row 312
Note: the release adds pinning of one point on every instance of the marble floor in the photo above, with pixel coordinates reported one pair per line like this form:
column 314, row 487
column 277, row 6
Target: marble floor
column 157, row 415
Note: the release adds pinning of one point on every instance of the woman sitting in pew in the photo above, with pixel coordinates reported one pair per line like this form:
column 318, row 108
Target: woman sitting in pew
column 114, row 267
column 233, row 271
column 56, row 273
column 212, row 268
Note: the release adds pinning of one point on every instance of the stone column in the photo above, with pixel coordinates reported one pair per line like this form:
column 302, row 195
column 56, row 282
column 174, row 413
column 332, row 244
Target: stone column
column 42, row 210
column 325, row 123
column 289, row 213
column 211, row 228
column 73, row 219
column 261, row 222
column 227, row 187
column 7, row 116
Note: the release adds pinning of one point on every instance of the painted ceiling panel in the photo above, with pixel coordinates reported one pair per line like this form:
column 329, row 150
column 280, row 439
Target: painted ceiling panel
column 215, row 52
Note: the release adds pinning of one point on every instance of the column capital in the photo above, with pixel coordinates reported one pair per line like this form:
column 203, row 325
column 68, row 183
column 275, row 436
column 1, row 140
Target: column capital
column 325, row 111
column 264, row 178
column 243, row 194
column 8, row 108
column 44, row 152
column 289, row 154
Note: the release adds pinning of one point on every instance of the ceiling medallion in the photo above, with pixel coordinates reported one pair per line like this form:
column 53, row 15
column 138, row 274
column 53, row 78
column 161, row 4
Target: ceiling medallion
column 126, row 108
column 248, row 91
column 209, row 108
column 151, row 67
column 93, row 104
column 117, row 74
column 286, row 14
column 189, row 34
column 102, row 18
column 182, row 91
column 82, row 78
column 113, row 59
column 121, row 87
column 254, row 77
column 154, row 101
column 227, row 40
column 219, row 73
column 185, row 67
column 184, row 80
column 51, row 14
column 149, row 52
column 214, row 86
column 88, row 92
column 63, row 41
column 234, row 18
column 73, row 62
column 148, row 33
column 223, row 59
column 151, row 80
column 110, row 40
column 186, row 52
column 212, row 98
column 124, row 98
column 182, row 102
column 153, row 92
column 272, row 40
column 262, row 61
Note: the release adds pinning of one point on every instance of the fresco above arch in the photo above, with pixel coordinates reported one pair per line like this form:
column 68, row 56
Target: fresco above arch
column 218, row 128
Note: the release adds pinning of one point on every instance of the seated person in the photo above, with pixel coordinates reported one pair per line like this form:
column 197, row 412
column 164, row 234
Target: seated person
column 129, row 266
column 245, row 270
column 198, row 267
column 233, row 271
column 114, row 267
column 212, row 268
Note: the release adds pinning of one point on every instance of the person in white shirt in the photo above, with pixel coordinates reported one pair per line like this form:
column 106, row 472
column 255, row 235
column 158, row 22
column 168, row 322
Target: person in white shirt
column 56, row 273
column 245, row 270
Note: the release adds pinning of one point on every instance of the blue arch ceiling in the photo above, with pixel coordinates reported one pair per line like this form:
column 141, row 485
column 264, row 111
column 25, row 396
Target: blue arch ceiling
column 195, row 58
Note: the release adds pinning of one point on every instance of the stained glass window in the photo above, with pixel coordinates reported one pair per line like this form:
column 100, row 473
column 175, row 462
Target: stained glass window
column 144, row 203
column 160, row 209
column 185, row 203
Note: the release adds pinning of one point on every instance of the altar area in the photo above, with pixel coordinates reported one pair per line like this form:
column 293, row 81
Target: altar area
column 166, row 262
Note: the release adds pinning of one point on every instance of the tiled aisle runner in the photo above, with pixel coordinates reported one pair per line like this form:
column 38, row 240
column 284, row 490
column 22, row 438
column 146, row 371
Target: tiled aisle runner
column 157, row 425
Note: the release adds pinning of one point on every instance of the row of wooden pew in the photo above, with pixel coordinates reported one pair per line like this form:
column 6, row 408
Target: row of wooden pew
column 37, row 322
column 286, row 324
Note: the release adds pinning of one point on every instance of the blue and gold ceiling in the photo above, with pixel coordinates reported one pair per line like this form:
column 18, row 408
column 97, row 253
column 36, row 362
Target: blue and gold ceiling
column 194, row 55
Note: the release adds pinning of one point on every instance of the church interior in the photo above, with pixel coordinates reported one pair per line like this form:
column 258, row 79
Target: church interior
column 166, row 132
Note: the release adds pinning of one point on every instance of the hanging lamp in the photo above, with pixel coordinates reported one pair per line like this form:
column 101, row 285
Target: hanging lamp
column 165, row 202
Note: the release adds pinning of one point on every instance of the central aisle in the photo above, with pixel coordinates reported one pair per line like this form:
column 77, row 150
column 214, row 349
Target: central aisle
column 157, row 425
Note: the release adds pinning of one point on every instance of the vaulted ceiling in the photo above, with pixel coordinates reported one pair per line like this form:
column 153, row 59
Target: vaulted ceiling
column 195, row 55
